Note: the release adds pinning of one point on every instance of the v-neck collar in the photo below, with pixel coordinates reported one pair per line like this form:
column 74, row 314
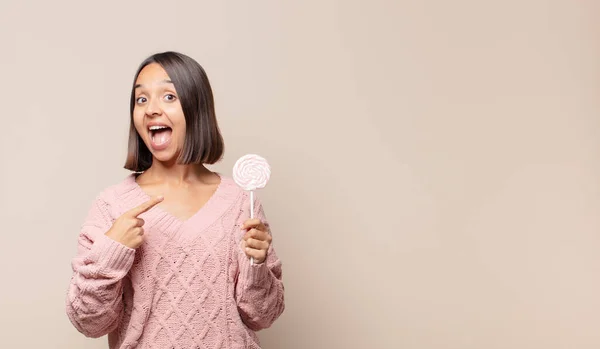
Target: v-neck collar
column 211, row 206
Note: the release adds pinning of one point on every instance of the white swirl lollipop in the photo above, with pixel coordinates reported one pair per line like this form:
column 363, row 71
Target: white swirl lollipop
column 251, row 172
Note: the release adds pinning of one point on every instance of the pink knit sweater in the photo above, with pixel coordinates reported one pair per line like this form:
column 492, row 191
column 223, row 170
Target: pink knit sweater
column 189, row 285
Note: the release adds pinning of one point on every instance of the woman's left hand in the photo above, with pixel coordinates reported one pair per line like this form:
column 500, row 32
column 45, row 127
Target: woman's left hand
column 256, row 241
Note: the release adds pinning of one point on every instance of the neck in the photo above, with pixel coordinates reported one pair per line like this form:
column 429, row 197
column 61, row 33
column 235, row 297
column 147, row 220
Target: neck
column 177, row 173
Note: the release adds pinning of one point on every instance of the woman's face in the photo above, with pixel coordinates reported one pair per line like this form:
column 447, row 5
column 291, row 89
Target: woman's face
column 157, row 114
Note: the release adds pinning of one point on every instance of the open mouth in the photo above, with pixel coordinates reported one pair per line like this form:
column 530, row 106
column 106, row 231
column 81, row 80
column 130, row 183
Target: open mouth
column 160, row 134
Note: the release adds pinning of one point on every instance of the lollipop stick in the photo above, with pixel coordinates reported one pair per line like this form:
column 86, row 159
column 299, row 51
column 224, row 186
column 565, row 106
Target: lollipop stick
column 251, row 204
column 251, row 216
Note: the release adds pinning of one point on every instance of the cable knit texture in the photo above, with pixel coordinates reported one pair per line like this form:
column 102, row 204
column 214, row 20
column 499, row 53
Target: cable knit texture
column 189, row 285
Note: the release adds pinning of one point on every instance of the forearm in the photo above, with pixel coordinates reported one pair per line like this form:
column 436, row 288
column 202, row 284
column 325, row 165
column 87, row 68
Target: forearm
column 94, row 300
column 260, row 293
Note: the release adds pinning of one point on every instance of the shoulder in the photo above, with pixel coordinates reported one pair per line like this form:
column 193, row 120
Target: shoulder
column 230, row 190
column 237, row 196
column 229, row 184
column 113, row 191
column 112, row 196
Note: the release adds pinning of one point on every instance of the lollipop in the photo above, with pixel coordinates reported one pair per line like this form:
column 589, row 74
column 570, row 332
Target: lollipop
column 251, row 172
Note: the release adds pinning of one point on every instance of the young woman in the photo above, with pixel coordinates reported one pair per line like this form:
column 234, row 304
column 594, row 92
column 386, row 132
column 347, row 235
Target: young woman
column 163, row 257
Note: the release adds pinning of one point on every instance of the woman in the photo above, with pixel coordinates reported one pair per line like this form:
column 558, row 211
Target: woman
column 164, row 256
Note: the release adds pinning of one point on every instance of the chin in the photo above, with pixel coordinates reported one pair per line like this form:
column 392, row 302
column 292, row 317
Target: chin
column 166, row 157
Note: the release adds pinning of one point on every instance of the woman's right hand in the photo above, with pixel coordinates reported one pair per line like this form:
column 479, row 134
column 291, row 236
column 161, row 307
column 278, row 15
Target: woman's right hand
column 128, row 229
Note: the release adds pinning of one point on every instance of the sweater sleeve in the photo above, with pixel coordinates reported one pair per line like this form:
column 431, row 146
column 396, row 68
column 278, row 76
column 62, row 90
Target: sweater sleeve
column 259, row 288
column 94, row 302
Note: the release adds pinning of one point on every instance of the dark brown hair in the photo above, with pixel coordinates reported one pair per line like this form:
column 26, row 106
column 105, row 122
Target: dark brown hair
column 203, row 141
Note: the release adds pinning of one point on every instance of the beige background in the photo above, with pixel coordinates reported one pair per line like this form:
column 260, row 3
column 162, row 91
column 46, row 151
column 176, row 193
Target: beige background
column 436, row 163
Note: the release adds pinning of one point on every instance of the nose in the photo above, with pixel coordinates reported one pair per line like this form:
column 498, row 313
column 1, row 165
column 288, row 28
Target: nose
column 153, row 107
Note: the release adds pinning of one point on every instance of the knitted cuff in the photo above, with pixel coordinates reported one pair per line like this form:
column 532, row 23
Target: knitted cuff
column 253, row 275
column 114, row 258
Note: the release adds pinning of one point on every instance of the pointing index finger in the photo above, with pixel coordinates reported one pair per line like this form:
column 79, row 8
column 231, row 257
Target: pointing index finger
column 136, row 211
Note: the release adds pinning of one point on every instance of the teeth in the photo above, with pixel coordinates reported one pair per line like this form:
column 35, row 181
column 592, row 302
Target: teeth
column 154, row 128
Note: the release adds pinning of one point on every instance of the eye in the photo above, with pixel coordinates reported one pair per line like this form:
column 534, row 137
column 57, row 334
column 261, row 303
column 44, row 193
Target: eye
column 170, row 97
column 140, row 100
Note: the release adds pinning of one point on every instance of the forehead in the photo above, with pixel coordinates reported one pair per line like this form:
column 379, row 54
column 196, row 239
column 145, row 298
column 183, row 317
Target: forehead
column 152, row 74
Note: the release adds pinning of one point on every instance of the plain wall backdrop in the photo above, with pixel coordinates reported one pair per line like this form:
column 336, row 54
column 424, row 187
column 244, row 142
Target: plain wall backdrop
column 436, row 164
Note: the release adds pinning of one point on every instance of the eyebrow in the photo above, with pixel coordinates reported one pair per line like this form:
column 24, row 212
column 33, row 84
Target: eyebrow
column 166, row 81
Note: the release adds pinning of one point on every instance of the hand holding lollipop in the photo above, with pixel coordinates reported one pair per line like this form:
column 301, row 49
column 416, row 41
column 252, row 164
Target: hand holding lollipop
column 252, row 172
